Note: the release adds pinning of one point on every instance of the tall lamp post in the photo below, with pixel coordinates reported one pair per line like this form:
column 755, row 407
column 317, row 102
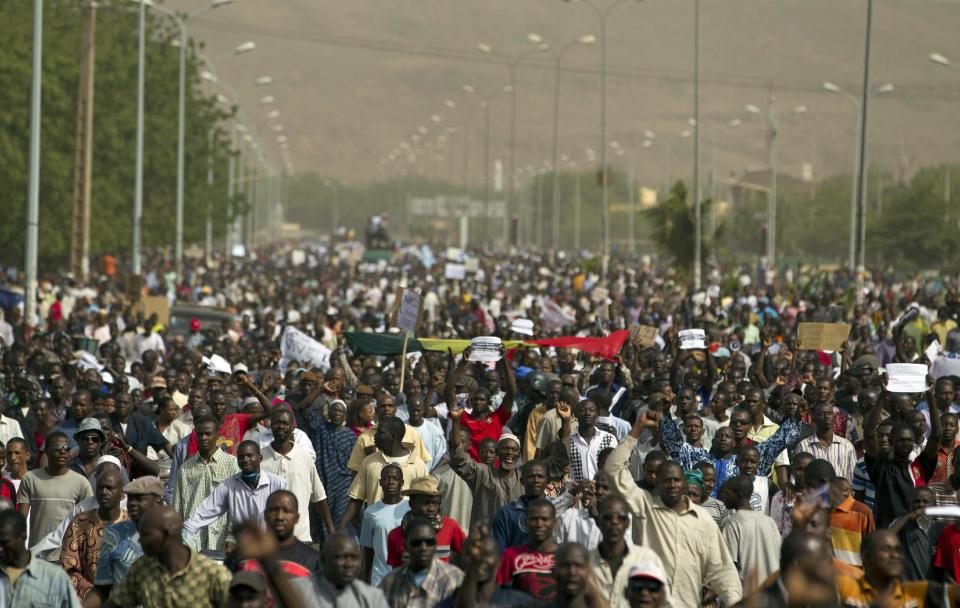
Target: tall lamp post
column 773, row 134
column 182, row 22
column 485, row 102
column 833, row 88
column 33, row 182
column 558, row 57
column 512, row 63
column 602, row 15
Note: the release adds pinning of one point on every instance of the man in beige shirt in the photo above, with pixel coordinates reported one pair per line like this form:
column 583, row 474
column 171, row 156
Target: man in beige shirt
column 683, row 534
column 616, row 555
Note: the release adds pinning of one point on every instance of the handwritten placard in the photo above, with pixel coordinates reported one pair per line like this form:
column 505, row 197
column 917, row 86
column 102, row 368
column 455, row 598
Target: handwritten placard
column 823, row 336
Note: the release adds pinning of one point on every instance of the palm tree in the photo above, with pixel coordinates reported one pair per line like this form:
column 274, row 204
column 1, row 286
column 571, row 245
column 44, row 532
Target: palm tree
column 672, row 227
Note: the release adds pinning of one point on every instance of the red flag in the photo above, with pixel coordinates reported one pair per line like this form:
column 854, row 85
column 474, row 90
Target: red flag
column 607, row 347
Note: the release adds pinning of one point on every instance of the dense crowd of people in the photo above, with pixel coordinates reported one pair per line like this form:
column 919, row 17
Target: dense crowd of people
column 601, row 457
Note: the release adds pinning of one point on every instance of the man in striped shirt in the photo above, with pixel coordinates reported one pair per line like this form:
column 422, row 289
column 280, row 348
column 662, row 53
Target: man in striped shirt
column 826, row 444
column 947, row 491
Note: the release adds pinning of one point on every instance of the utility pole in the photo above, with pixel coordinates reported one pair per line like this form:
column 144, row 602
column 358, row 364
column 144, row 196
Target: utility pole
column 82, row 172
column 33, row 182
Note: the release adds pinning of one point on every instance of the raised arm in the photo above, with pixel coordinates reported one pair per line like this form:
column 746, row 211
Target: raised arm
column 510, row 390
column 673, row 442
column 787, row 436
column 618, row 466
column 870, row 423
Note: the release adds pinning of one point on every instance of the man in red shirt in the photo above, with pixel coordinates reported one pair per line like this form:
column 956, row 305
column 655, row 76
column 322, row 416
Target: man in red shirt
column 481, row 422
column 946, row 561
column 424, row 494
column 529, row 567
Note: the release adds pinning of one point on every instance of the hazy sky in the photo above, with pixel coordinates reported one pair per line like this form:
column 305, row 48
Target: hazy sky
column 354, row 78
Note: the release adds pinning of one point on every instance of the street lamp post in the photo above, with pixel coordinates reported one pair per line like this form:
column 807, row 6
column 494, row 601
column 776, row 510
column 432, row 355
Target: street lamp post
column 833, row 88
column 773, row 135
column 697, row 208
column 558, row 57
column 862, row 169
column 33, row 183
column 602, row 15
column 512, row 63
column 485, row 102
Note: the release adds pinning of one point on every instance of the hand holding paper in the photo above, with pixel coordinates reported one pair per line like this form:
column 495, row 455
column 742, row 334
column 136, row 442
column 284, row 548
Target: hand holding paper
column 692, row 339
column 906, row 377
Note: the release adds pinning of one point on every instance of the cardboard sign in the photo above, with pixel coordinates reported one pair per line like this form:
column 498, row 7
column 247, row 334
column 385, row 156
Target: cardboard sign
column 692, row 339
column 158, row 305
column 906, row 377
column 822, row 336
column 407, row 307
column 485, row 348
column 298, row 346
column 645, row 336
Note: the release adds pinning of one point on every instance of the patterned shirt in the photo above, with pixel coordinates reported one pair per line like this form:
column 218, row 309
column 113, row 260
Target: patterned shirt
column 406, row 589
column 196, row 480
column 583, row 454
column 80, row 551
column 119, row 549
column 333, row 445
column 861, row 483
column 944, row 492
column 839, row 453
column 726, row 467
column 203, row 583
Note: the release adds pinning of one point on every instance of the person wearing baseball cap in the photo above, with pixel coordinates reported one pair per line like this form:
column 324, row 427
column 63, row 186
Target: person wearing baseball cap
column 647, row 586
column 425, row 500
column 120, row 546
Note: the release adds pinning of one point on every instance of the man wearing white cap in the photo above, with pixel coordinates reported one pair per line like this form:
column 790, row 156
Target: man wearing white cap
column 647, row 586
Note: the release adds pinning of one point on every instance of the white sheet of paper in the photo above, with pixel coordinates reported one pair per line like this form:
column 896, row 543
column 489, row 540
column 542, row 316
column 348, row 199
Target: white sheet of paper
column 485, row 348
column 692, row 338
column 455, row 271
column 943, row 511
column 932, row 351
column 906, row 377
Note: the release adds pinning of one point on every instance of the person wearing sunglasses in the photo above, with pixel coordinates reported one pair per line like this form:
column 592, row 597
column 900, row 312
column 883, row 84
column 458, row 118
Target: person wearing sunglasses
column 613, row 558
column 646, row 586
column 424, row 580
column 48, row 495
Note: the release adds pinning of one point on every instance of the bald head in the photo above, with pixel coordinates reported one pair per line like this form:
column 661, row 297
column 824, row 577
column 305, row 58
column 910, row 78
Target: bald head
column 160, row 528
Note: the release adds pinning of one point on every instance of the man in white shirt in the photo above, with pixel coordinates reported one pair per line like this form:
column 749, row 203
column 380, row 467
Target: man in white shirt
column 587, row 442
column 293, row 464
column 9, row 428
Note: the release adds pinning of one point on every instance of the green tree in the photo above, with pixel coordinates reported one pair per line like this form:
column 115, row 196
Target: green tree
column 114, row 133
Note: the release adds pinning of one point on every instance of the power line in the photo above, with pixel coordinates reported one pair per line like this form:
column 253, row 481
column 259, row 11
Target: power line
column 903, row 90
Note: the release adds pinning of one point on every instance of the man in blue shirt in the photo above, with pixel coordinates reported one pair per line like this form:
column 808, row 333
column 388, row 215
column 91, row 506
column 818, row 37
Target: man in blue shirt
column 120, row 546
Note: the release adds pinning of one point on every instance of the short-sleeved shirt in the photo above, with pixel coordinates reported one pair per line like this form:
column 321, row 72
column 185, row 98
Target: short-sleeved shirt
column 857, row 592
column 378, row 520
column 526, row 569
column 411, row 440
column 895, row 483
column 450, row 539
column 366, row 484
column 119, row 550
column 947, row 555
column 203, row 583
column 51, row 498
column 297, row 468
column 491, row 428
